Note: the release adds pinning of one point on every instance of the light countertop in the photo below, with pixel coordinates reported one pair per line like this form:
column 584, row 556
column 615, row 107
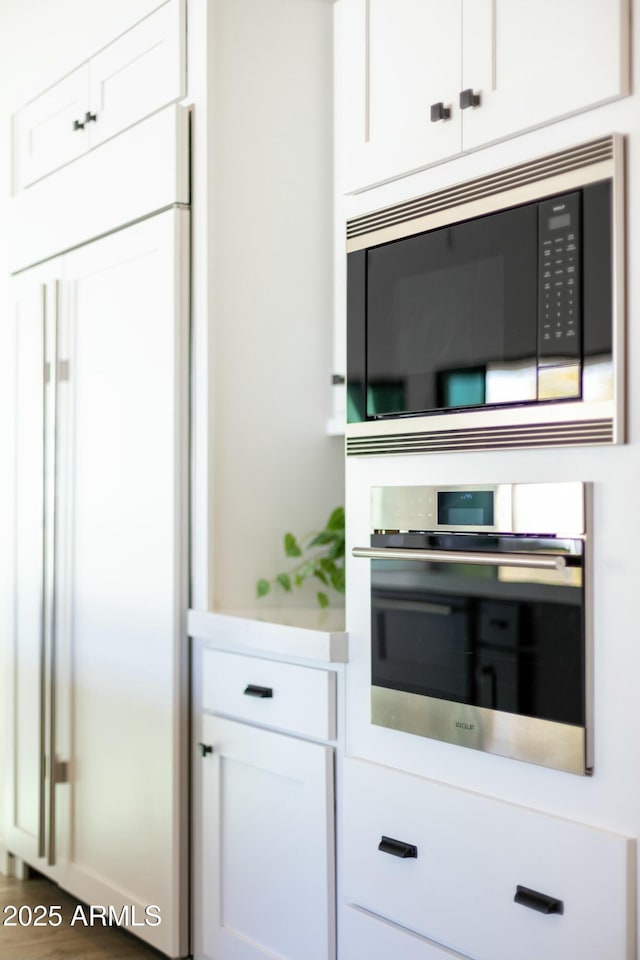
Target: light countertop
column 308, row 632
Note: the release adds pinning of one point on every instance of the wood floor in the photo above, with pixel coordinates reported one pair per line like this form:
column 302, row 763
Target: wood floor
column 64, row 942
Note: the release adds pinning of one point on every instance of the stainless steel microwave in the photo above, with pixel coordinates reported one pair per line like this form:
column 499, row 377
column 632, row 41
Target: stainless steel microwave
column 491, row 314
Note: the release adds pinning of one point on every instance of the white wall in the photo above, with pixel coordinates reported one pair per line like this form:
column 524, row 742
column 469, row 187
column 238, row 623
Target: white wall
column 272, row 286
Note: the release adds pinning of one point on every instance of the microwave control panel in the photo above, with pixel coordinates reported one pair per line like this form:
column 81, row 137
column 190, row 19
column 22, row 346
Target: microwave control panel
column 559, row 309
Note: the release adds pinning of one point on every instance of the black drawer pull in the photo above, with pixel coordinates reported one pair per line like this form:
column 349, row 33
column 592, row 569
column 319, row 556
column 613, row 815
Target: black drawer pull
column 398, row 848
column 204, row 749
column 251, row 690
column 541, row 902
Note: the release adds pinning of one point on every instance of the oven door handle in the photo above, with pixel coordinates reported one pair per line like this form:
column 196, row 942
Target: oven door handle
column 530, row 560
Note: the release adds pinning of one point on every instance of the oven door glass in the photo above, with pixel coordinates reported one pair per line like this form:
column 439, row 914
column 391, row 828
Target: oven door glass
column 452, row 316
column 506, row 638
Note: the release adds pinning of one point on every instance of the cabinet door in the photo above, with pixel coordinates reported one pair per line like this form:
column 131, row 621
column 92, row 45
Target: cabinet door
column 50, row 131
column 122, row 589
column 534, row 62
column 138, row 74
column 395, row 59
column 264, row 888
column 34, row 306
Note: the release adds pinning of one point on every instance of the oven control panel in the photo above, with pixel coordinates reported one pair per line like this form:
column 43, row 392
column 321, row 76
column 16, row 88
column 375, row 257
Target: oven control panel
column 552, row 509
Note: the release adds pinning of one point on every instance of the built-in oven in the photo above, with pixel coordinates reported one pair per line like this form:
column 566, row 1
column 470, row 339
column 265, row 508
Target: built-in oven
column 479, row 618
column 490, row 313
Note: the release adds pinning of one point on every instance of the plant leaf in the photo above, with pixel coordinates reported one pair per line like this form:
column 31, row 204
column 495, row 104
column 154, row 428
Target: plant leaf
column 325, row 536
column 327, row 565
column 285, row 581
column 323, row 599
column 262, row 588
column 299, row 579
column 321, row 576
column 336, row 549
column 337, row 580
column 336, row 520
column 291, row 547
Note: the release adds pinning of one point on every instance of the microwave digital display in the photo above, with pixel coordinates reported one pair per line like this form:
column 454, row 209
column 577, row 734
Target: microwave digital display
column 561, row 220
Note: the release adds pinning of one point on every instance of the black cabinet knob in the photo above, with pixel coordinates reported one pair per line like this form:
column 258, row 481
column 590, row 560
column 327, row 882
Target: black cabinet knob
column 398, row 848
column 263, row 693
column 90, row 117
column 469, row 99
column 205, row 748
column 541, row 902
column 78, row 125
column 439, row 112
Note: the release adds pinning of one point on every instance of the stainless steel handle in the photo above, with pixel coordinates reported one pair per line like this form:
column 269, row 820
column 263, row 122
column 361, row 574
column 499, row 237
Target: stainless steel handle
column 459, row 556
column 53, row 765
column 43, row 586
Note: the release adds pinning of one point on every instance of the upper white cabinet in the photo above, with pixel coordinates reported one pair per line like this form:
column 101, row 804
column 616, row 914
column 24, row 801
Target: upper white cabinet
column 49, row 131
column 137, row 74
column 396, row 58
column 140, row 72
column 419, row 80
column 533, row 62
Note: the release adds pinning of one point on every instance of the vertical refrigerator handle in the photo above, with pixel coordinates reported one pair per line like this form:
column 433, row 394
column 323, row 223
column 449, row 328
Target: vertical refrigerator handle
column 52, row 519
column 42, row 765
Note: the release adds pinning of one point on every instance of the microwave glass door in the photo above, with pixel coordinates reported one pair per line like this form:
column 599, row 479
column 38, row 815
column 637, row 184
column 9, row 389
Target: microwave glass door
column 452, row 316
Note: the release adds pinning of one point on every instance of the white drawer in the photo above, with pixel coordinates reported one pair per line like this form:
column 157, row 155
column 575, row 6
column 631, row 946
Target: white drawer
column 472, row 855
column 365, row 937
column 283, row 695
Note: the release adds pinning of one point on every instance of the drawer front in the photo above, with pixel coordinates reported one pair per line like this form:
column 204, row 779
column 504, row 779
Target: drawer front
column 471, row 855
column 365, row 937
column 283, row 695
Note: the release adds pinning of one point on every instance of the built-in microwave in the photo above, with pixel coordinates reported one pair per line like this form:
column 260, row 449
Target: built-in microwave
column 480, row 618
column 490, row 314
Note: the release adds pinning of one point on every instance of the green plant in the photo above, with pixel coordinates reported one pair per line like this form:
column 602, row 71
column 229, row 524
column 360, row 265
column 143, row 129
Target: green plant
column 321, row 556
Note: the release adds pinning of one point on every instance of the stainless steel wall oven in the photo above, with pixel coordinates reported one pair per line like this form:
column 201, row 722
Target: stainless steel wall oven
column 479, row 618
column 490, row 314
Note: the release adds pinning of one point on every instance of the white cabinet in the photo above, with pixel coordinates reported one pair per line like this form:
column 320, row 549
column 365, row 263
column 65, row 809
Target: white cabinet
column 99, row 650
column 139, row 73
column 481, row 877
column 364, row 936
column 521, row 65
column 264, row 828
column 50, row 131
column 397, row 57
column 531, row 63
